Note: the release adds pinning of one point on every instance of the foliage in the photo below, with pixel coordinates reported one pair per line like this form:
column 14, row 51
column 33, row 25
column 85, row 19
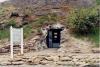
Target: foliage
column 1, row 11
column 53, row 17
column 83, row 21
column 4, row 34
column 94, row 36
column 11, row 23
column 50, row 18
column 27, row 30
column 98, row 2
column 37, row 24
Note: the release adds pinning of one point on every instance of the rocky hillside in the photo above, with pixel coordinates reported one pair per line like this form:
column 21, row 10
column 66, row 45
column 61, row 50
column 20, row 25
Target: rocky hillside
column 84, row 3
column 40, row 7
column 32, row 14
column 37, row 5
column 35, row 16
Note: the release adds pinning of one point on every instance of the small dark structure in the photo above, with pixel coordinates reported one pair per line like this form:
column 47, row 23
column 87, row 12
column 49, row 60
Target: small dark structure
column 53, row 38
column 14, row 14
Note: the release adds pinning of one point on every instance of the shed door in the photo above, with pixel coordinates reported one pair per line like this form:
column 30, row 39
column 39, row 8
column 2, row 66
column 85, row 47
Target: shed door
column 53, row 38
column 56, row 39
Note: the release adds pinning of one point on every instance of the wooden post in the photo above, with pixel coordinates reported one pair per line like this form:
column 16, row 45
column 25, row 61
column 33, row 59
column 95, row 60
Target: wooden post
column 11, row 42
column 22, row 41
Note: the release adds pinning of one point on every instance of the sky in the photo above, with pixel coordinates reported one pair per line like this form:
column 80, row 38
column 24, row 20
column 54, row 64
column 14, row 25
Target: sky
column 3, row 0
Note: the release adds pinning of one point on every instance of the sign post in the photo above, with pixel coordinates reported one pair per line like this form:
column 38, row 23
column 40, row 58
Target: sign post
column 21, row 40
column 16, row 37
column 11, row 42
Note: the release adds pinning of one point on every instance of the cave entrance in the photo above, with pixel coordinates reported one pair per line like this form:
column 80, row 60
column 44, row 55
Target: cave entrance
column 53, row 38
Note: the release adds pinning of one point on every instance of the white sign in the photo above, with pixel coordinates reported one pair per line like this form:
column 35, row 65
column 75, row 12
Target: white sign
column 16, row 38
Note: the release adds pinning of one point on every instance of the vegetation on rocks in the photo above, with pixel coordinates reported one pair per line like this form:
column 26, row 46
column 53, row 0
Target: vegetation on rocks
column 85, row 22
column 4, row 33
column 80, row 20
column 98, row 2
column 76, row 17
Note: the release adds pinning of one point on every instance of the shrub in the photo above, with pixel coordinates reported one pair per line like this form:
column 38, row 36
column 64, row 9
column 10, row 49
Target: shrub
column 4, row 34
column 98, row 2
column 27, row 30
column 46, row 19
column 11, row 23
column 83, row 21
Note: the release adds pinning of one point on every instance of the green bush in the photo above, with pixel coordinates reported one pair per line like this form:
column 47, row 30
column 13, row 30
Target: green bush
column 11, row 23
column 83, row 21
column 98, row 2
column 46, row 19
column 4, row 34
column 27, row 30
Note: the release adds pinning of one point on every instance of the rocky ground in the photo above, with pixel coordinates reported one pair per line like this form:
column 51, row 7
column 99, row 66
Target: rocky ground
column 73, row 52
column 50, row 58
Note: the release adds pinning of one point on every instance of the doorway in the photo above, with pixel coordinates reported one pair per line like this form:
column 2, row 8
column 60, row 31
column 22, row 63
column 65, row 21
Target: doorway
column 53, row 38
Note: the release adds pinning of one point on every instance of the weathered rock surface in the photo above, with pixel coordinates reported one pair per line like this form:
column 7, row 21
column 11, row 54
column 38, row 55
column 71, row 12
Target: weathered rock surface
column 70, row 44
column 54, row 58
column 66, row 60
column 54, row 3
column 5, row 49
column 96, row 50
column 93, row 65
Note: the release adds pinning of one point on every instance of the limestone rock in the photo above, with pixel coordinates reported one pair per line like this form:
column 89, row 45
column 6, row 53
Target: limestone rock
column 91, row 65
column 74, row 45
column 35, row 60
column 43, row 62
column 96, row 50
column 18, row 63
column 64, row 63
column 65, row 59
column 55, row 58
column 49, row 58
column 5, row 63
